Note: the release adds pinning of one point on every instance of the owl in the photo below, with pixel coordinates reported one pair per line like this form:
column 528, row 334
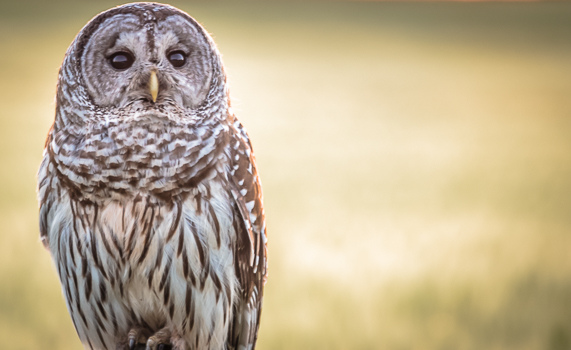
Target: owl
column 150, row 202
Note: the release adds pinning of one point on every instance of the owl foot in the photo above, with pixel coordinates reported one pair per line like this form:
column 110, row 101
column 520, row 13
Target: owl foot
column 160, row 340
column 136, row 336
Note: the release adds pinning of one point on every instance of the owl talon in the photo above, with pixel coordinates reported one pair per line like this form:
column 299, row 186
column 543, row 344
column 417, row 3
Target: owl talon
column 136, row 335
column 160, row 340
column 161, row 346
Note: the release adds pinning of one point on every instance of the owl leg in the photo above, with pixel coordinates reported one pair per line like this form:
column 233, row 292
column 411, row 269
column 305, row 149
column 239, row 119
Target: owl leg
column 161, row 340
column 136, row 336
column 165, row 339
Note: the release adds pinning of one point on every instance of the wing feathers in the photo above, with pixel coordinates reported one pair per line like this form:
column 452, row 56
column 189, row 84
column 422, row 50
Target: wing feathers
column 250, row 250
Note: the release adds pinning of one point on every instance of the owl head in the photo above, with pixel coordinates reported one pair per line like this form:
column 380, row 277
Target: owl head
column 140, row 57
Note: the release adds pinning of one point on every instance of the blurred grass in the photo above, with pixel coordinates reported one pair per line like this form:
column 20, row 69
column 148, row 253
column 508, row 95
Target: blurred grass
column 415, row 158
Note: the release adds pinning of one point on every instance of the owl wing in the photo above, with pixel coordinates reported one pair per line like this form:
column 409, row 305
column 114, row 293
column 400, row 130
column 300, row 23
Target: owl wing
column 250, row 252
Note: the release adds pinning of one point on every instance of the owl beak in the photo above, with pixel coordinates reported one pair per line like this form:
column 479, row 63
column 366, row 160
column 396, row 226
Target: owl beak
column 154, row 86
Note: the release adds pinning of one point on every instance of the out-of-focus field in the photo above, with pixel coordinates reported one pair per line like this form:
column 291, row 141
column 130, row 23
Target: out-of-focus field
column 416, row 161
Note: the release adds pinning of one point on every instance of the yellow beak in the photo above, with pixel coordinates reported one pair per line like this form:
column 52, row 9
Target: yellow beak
column 154, row 85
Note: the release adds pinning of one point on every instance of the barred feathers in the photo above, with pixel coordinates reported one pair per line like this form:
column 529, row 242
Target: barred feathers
column 153, row 212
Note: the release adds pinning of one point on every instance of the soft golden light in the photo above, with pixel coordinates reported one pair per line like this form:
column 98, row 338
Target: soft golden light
column 415, row 160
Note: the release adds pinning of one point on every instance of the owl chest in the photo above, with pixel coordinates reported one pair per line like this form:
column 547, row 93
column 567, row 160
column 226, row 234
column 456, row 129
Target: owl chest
column 184, row 237
column 162, row 262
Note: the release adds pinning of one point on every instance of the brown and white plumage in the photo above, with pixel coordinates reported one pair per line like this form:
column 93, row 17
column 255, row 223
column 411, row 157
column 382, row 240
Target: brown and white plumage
column 152, row 210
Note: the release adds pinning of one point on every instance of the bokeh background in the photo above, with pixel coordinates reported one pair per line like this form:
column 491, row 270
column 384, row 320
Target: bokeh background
column 416, row 162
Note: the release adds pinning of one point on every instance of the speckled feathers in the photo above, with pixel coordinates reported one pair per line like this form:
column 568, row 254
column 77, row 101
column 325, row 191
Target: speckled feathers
column 152, row 211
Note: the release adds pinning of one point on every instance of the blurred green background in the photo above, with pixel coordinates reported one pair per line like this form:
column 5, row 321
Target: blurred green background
column 416, row 161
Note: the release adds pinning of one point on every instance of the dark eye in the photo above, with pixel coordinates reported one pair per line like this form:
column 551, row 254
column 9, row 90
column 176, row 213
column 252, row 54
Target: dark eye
column 177, row 58
column 121, row 60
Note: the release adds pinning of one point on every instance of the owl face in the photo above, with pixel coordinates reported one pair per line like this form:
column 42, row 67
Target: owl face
column 147, row 60
column 142, row 103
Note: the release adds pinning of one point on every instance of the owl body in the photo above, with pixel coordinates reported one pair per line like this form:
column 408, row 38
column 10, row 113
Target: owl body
column 150, row 202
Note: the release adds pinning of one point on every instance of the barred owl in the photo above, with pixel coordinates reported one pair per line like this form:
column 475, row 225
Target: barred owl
column 150, row 202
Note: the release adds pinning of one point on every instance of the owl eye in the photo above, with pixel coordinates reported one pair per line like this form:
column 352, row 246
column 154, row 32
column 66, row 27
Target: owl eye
column 177, row 58
column 121, row 60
